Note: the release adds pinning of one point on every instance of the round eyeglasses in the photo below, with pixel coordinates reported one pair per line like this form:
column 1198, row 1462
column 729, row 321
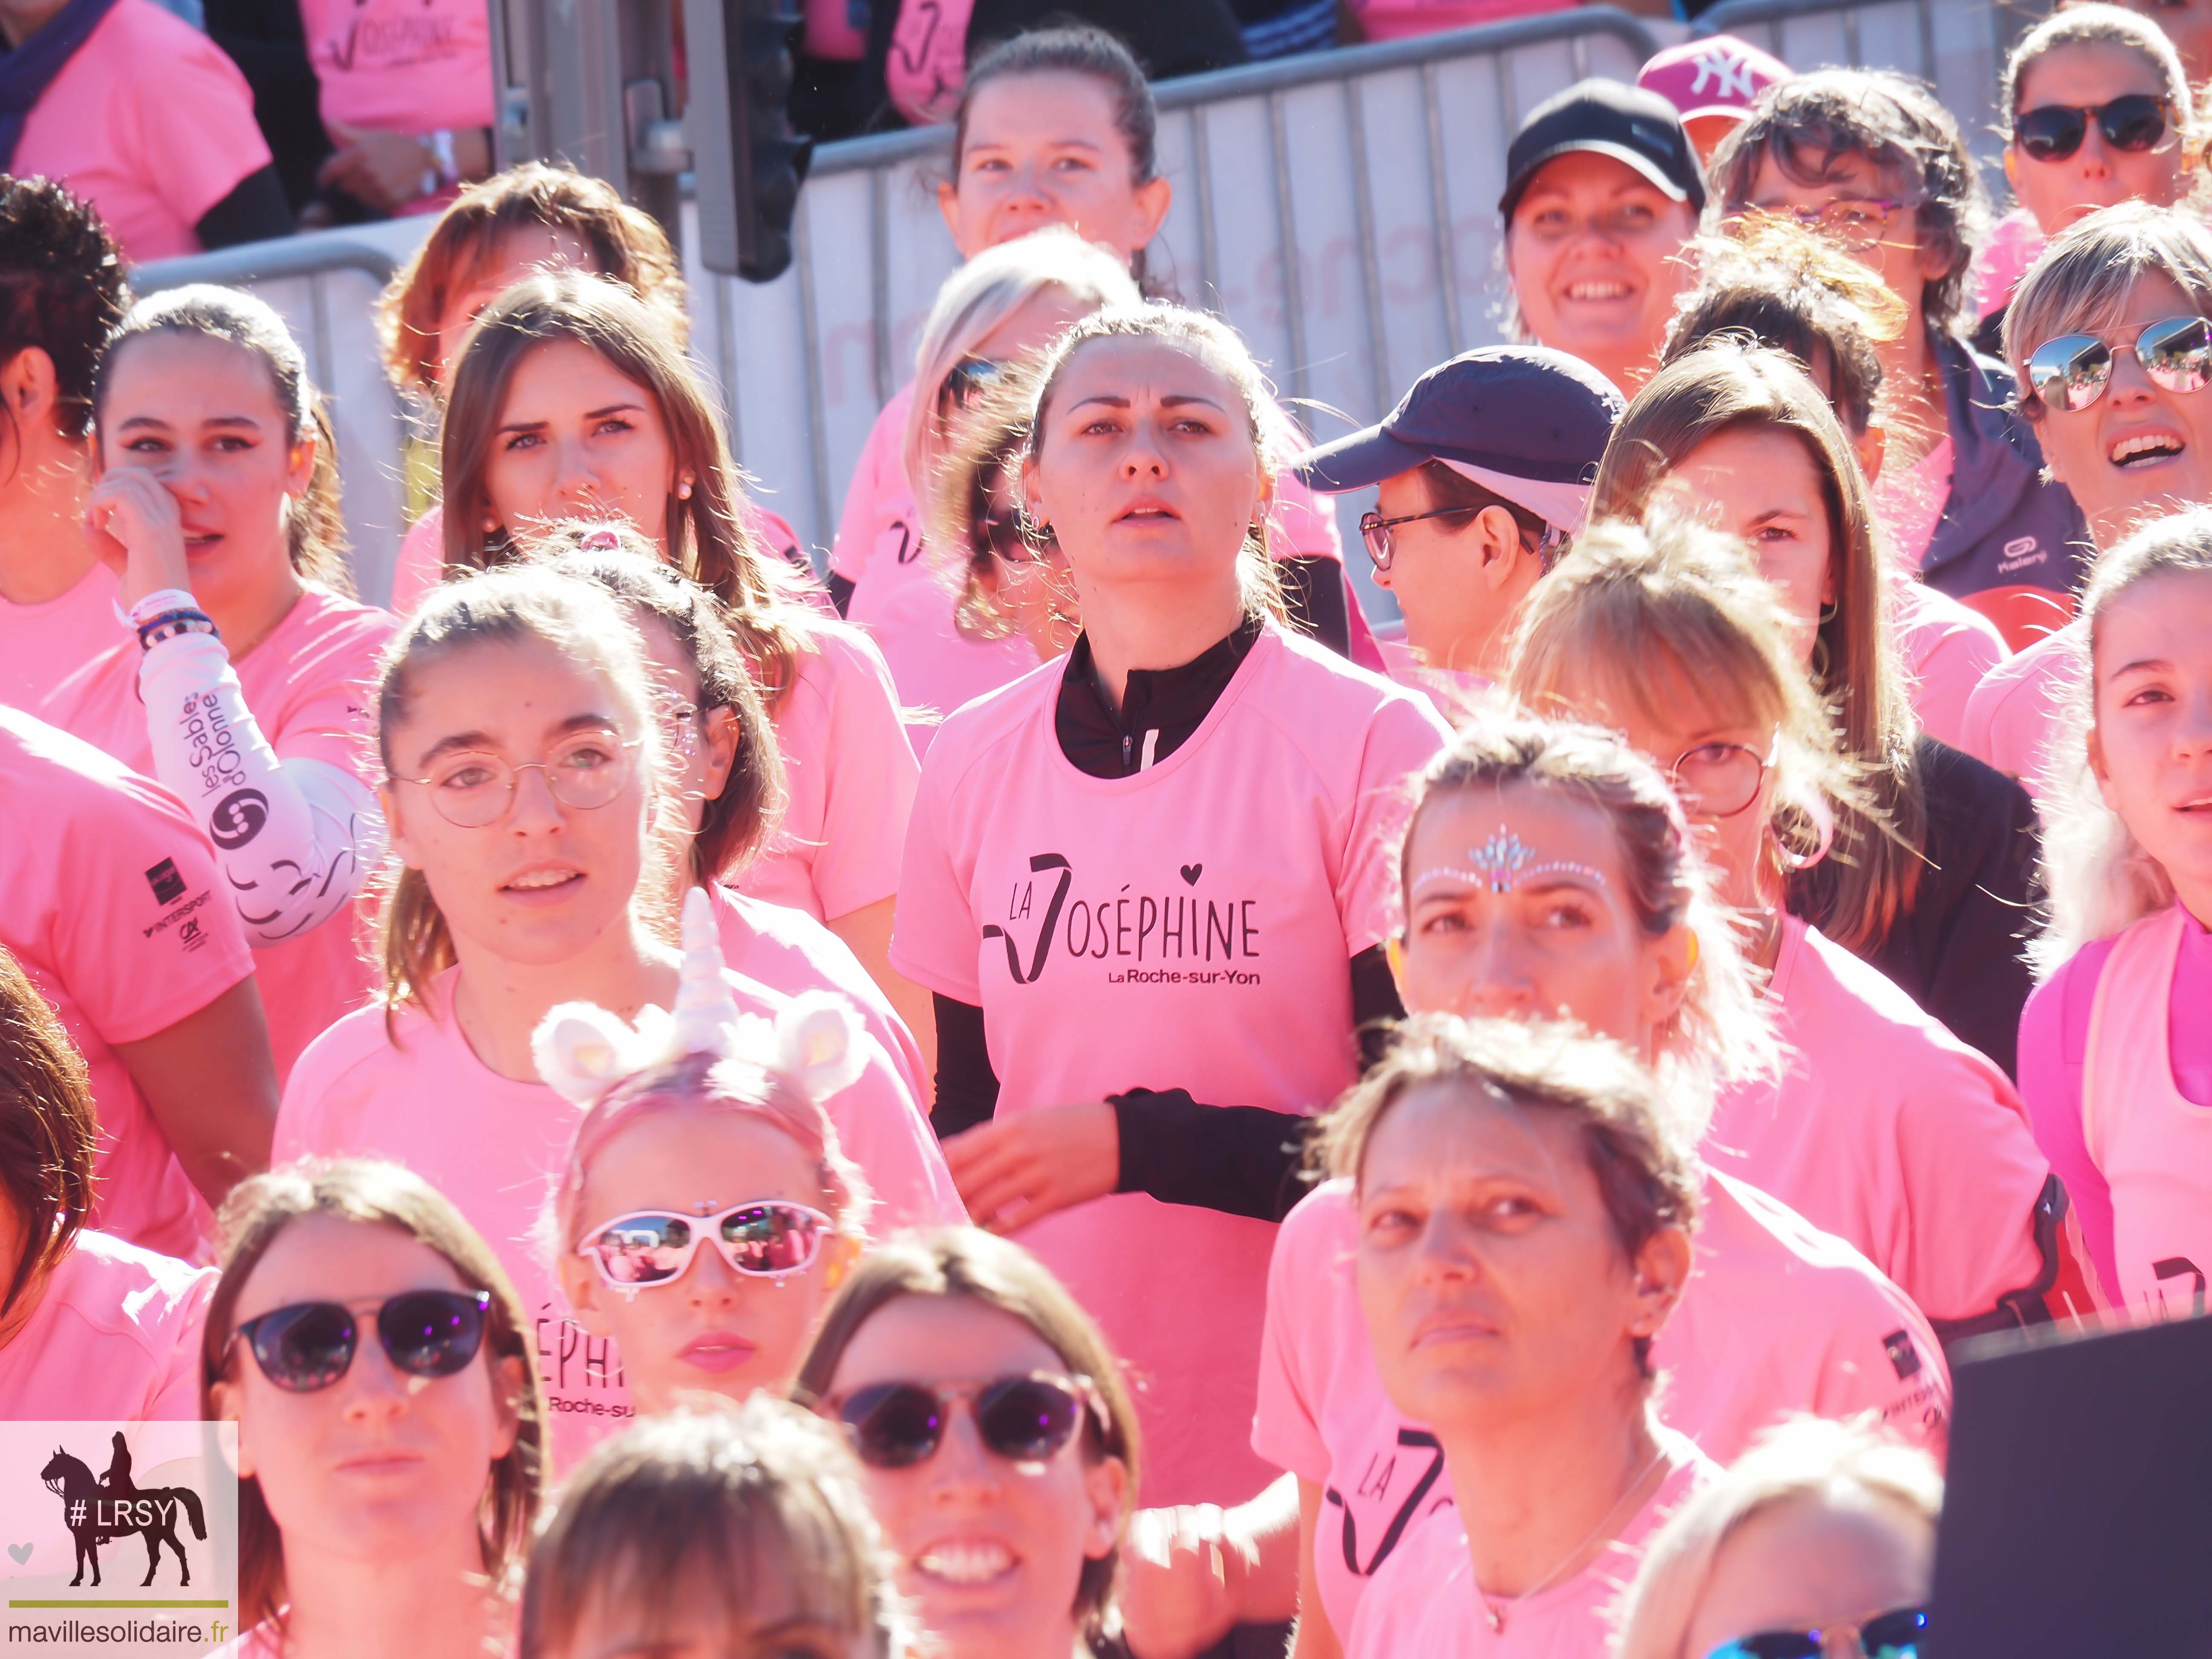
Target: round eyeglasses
column 472, row 789
column 1854, row 223
column 1718, row 780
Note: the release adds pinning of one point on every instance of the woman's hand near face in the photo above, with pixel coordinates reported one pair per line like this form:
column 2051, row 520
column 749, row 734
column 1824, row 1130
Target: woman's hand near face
column 138, row 531
column 1021, row 1169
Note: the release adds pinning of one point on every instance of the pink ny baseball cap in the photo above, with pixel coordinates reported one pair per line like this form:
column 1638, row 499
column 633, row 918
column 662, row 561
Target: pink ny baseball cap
column 1716, row 77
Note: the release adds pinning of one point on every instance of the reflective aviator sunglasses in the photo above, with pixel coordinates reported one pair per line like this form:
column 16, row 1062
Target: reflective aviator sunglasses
column 2075, row 370
column 1901, row 1633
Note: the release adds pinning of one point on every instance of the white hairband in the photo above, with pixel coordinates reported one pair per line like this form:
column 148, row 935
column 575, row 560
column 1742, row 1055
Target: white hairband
column 583, row 1052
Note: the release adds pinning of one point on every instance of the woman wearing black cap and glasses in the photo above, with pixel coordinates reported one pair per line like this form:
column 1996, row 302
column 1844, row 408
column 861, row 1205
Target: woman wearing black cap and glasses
column 1602, row 193
column 1482, row 474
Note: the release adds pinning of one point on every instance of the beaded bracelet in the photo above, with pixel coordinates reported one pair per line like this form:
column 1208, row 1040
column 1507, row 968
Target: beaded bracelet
column 171, row 623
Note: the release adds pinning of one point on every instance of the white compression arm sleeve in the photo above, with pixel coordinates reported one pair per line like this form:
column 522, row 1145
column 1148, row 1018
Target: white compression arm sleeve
column 294, row 839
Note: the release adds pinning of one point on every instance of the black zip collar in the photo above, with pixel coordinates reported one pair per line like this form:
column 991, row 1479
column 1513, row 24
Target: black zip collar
column 1160, row 708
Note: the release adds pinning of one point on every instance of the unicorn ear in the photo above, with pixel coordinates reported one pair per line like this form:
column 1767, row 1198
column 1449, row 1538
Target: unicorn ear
column 581, row 1050
column 818, row 1040
column 705, row 1011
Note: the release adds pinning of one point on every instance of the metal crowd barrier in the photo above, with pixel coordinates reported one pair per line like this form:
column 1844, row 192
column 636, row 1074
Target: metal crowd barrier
column 1308, row 192
column 1339, row 209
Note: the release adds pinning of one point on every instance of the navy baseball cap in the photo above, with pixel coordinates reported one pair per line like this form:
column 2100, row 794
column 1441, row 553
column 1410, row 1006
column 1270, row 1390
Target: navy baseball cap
column 1637, row 127
column 1525, row 422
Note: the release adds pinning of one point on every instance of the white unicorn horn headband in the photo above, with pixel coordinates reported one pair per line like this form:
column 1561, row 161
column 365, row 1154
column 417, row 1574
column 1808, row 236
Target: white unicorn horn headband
column 584, row 1051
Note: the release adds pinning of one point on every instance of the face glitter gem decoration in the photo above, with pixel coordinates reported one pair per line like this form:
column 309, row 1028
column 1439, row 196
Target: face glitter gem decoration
column 1501, row 860
column 1502, row 863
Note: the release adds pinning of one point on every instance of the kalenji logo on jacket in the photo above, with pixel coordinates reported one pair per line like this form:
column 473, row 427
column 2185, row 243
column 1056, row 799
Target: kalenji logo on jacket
column 2020, row 552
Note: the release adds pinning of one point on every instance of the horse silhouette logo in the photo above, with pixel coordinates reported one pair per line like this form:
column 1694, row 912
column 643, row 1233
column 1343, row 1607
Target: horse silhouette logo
column 99, row 1510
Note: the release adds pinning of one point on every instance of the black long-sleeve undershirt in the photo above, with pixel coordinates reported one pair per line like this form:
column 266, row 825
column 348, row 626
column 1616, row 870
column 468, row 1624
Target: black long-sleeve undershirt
column 1240, row 1160
column 254, row 211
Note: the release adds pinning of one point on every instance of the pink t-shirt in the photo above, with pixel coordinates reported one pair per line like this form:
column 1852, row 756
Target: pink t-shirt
column 1779, row 1317
column 1424, row 1604
column 152, row 123
column 42, row 644
column 2016, row 241
column 421, row 562
column 906, row 602
column 494, row 1145
column 1887, row 1130
column 903, row 593
column 116, row 1337
column 1190, row 926
column 2016, row 710
column 115, row 910
column 2146, row 1133
column 1454, row 693
column 1909, row 501
column 1948, row 648
column 311, row 687
column 788, row 951
column 849, row 775
column 401, row 65
column 2054, row 1054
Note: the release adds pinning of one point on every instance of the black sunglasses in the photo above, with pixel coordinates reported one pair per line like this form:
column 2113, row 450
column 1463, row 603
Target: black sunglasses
column 310, row 1345
column 1900, row 1634
column 1024, row 1420
column 2132, row 123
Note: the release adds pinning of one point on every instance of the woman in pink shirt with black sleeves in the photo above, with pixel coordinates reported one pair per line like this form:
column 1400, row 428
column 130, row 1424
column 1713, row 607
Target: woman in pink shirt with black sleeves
column 1148, row 884
column 142, row 115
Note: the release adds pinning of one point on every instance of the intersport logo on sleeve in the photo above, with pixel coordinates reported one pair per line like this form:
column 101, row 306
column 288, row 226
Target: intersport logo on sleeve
column 121, row 1538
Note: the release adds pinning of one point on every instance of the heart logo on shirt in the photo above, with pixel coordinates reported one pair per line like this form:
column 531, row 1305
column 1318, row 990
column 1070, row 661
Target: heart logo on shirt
column 22, row 1553
column 1191, row 872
